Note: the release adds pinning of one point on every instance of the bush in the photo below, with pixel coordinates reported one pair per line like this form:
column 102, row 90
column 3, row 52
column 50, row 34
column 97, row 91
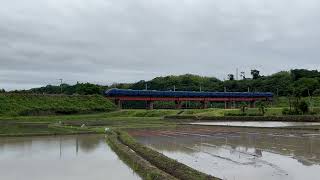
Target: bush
column 286, row 111
column 303, row 106
column 316, row 92
column 262, row 107
column 300, row 107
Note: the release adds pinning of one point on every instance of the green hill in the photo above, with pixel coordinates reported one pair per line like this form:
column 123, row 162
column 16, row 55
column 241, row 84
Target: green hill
column 27, row 104
column 296, row 82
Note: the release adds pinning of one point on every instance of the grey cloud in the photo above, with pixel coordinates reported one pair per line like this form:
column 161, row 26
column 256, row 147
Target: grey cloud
column 105, row 41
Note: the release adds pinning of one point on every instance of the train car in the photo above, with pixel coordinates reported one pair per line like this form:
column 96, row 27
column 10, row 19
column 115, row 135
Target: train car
column 180, row 94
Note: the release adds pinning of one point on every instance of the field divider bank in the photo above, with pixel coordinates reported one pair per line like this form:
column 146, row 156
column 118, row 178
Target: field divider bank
column 169, row 166
column 293, row 118
column 141, row 166
column 21, row 129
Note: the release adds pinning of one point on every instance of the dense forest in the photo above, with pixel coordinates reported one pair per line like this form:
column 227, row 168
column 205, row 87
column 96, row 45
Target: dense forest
column 297, row 82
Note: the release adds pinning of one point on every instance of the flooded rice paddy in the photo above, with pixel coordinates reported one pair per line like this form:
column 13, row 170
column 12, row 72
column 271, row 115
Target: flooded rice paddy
column 235, row 153
column 256, row 124
column 79, row 157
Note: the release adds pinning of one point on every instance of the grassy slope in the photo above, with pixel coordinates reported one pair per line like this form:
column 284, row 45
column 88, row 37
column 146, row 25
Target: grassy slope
column 284, row 102
column 17, row 104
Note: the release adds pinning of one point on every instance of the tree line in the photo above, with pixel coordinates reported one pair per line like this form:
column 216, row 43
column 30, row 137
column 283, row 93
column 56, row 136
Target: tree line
column 296, row 82
column 77, row 89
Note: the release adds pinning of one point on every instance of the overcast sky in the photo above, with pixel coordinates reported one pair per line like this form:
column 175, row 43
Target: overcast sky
column 106, row 41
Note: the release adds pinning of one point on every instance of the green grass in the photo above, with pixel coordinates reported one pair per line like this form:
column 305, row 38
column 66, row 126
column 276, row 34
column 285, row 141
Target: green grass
column 223, row 112
column 94, row 122
column 255, row 111
column 204, row 112
column 271, row 111
column 26, row 104
column 143, row 113
column 123, row 118
column 284, row 101
column 22, row 129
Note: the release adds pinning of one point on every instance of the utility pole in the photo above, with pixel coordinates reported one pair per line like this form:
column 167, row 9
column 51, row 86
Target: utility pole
column 61, row 85
column 146, row 86
column 174, row 87
column 243, row 75
column 225, row 102
column 237, row 74
column 248, row 89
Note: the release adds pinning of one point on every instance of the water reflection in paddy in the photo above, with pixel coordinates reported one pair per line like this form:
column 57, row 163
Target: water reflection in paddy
column 80, row 157
column 240, row 153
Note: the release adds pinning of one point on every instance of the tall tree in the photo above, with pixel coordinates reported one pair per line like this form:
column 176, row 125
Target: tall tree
column 231, row 77
column 255, row 74
column 304, row 73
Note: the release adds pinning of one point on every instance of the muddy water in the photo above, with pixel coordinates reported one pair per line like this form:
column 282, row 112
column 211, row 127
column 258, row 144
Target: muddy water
column 79, row 157
column 241, row 153
column 256, row 124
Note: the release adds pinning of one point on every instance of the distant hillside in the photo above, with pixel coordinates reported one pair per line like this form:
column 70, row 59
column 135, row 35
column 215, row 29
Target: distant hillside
column 187, row 82
column 297, row 82
column 27, row 104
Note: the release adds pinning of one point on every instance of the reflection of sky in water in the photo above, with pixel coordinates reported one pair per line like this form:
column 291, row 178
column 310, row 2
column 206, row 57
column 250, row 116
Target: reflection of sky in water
column 61, row 157
column 242, row 155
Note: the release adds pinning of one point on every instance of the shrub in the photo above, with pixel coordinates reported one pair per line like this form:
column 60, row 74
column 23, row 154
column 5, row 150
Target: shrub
column 262, row 107
column 286, row 111
column 300, row 107
column 303, row 106
column 243, row 107
column 316, row 92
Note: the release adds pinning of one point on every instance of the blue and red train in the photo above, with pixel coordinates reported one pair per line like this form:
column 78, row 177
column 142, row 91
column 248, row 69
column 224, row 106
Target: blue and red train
column 119, row 95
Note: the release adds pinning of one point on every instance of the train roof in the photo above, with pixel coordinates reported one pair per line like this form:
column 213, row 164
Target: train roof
column 155, row 93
